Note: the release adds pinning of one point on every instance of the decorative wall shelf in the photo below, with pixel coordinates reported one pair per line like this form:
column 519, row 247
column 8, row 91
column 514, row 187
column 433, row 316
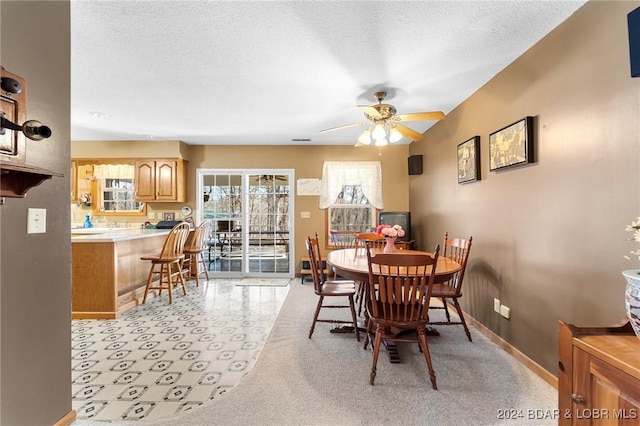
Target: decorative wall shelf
column 17, row 179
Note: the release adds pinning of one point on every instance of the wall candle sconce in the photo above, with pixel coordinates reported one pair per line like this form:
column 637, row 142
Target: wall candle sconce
column 32, row 129
column 18, row 177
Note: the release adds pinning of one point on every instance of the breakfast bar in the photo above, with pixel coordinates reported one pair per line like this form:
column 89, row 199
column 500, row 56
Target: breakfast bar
column 107, row 275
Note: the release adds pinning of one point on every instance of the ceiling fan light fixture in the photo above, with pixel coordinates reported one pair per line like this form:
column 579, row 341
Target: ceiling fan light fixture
column 381, row 142
column 379, row 131
column 394, row 135
column 364, row 138
column 385, row 125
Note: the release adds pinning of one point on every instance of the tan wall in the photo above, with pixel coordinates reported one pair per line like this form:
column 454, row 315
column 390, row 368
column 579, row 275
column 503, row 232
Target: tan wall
column 549, row 238
column 129, row 149
column 305, row 160
column 35, row 273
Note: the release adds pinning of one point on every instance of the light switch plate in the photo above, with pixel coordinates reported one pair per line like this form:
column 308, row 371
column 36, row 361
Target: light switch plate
column 505, row 312
column 305, row 215
column 36, row 221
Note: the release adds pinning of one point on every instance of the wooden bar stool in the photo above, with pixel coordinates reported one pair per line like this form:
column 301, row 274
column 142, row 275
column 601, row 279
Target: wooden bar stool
column 168, row 264
column 194, row 251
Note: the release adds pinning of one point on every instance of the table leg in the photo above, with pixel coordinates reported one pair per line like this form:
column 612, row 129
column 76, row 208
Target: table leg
column 392, row 347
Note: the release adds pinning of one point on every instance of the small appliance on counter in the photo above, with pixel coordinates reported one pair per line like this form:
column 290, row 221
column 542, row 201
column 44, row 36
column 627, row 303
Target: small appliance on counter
column 167, row 224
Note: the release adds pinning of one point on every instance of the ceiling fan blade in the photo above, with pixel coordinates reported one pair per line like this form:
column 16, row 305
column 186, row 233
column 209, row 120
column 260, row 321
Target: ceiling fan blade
column 420, row 116
column 346, row 126
column 370, row 111
column 408, row 133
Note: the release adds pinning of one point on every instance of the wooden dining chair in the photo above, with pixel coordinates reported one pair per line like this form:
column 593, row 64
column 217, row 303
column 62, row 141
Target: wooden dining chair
column 168, row 264
column 329, row 289
column 341, row 239
column 457, row 249
column 194, row 248
column 361, row 238
column 398, row 295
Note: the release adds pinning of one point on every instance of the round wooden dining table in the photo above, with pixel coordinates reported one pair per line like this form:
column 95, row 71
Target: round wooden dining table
column 352, row 264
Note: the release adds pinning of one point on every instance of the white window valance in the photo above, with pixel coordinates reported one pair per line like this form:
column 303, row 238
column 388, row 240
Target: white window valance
column 113, row 171
column 335, row 174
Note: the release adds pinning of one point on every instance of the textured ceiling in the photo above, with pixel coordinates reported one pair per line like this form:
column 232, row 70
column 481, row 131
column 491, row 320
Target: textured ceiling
column 267, row 72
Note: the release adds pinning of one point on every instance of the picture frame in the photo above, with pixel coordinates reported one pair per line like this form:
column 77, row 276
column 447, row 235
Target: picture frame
column 189, row 220
column 169, row 216
column 469, row 160
column 512, row 145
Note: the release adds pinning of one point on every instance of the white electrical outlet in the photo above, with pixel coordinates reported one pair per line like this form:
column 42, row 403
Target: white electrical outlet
column 151, row 215
column 36, row 221
column 496, row 305
column 505, row 312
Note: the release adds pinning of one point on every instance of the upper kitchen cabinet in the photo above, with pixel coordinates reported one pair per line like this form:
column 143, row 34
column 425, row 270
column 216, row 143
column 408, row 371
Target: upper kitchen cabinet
column 162, row 180
column 74, row 181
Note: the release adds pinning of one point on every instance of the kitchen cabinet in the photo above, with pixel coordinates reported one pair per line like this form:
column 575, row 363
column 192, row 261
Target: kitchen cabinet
column 599, row 375
column 107, row 275
column 74, row 181
column 161, row 180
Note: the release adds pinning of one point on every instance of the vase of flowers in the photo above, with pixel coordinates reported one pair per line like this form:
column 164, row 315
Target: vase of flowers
column 390, row 233
column 632, row 291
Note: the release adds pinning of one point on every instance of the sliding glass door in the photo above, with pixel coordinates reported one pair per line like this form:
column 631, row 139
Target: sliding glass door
column 253, row 224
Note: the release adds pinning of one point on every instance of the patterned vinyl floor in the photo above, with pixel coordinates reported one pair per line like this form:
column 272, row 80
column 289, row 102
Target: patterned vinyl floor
column 159, row 359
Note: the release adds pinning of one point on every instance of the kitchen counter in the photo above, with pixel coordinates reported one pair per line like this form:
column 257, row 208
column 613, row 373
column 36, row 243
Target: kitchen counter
column 107, row 275
column 94, row 235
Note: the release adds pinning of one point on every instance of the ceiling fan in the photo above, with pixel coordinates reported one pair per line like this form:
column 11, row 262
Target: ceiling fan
column 384, row 123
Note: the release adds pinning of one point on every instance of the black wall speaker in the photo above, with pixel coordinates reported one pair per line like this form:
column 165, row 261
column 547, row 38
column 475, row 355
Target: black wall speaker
column 633, row 22
column 415, row 164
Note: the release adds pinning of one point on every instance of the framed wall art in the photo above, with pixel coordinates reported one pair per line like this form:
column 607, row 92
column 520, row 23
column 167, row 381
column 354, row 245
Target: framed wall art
column 512, row 145
column 469, row 160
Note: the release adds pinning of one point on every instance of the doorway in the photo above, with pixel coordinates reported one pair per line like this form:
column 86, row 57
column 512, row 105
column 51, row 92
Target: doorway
column 251, row 211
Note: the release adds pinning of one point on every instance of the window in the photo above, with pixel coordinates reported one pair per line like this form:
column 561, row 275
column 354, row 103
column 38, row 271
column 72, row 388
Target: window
column 119, row 195
column 351, row 211
column 114, row 189
column 351, row 192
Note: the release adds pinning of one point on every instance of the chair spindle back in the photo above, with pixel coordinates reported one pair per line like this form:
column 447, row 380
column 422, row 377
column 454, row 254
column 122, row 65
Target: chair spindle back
column 400, row 285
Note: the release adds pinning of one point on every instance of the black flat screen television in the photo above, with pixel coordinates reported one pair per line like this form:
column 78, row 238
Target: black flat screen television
column 397, row 218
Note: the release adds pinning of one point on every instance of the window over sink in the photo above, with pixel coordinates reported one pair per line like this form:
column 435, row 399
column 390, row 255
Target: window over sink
column 109, row 186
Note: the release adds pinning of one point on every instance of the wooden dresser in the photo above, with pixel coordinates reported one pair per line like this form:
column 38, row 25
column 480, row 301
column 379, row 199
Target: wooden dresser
column 598, row 376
